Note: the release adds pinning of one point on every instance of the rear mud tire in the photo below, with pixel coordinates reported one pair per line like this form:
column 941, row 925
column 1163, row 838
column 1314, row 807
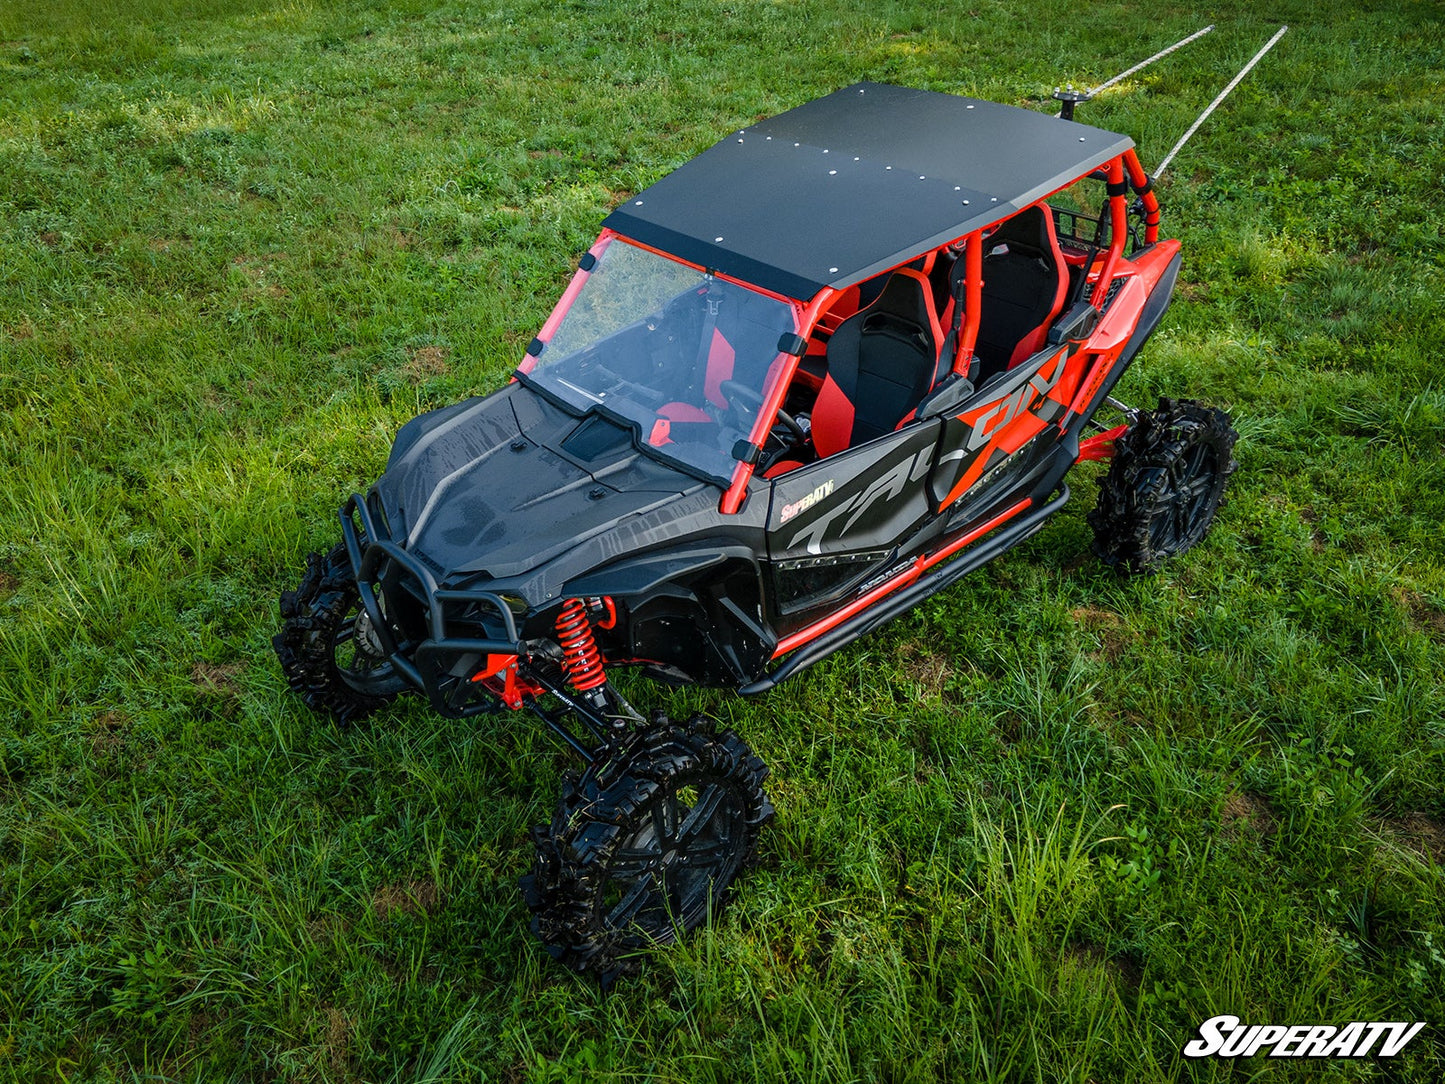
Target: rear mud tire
column 1165, row 485
column 322, row 662
column 646, row 845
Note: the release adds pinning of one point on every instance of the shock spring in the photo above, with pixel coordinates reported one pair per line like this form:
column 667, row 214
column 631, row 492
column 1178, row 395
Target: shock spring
column 580, row 656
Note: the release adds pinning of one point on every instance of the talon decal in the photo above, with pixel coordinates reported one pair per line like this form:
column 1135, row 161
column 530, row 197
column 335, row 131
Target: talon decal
column 888, row 487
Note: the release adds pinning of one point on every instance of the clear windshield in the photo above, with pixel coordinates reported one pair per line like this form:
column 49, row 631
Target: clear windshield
column 683, row 356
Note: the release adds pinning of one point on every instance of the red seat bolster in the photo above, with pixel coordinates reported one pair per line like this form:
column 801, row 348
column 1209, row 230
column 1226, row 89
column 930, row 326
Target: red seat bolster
column 782, row 467
column 683, row 412
column 832, row 420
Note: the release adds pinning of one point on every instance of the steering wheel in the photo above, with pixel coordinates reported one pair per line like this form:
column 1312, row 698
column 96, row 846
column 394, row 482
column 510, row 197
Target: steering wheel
column 746, row 402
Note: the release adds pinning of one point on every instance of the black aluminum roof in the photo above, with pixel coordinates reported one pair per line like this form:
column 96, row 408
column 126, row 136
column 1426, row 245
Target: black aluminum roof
column 847, row 186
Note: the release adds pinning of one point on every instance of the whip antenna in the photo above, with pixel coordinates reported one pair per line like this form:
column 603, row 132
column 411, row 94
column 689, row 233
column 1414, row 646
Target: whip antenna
column 1072, row 97
column 1214, row 104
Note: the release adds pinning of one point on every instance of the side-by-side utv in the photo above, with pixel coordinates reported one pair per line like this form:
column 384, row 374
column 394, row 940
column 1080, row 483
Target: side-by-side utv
column 798, row 385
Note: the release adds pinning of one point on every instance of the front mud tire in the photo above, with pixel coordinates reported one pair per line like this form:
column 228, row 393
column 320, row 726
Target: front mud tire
column 1165, row 485
column 645, row 845
column 321, row 654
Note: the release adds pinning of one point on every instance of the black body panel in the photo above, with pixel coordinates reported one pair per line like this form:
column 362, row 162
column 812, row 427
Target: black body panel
column 837, row 522
column 498, row 487
column 512, row 498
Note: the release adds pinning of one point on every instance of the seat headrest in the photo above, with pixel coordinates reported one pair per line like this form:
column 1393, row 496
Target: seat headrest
column 1030, row 232
column 904, row 295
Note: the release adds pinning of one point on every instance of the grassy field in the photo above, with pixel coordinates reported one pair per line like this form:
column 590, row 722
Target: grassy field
column 1037, row 830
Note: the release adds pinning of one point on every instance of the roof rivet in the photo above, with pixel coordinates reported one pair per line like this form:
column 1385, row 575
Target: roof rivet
column 769, row 137
column 716, row 239
column 797, row 144
column 887, row 167
column 825, row 150
column 957, row 188
column 832, row 173
column 922, row 178
column 993, row 199
column 965, row 203
column 638, row 203
column 968, row 107
column 855, row 158
column 834, row 270
column 1081, row 139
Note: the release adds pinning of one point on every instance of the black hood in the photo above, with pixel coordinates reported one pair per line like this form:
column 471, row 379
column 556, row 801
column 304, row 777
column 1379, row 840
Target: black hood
column 503, row 484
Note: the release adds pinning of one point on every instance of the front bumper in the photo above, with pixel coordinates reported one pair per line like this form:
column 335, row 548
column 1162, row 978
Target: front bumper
column 436, row 662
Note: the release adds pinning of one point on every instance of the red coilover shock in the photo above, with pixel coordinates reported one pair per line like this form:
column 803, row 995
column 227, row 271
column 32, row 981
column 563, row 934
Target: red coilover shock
column 580, row 657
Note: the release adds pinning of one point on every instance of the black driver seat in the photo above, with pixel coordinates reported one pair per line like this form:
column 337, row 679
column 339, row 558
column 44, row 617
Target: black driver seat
column 881, row 363
column 1025, row 281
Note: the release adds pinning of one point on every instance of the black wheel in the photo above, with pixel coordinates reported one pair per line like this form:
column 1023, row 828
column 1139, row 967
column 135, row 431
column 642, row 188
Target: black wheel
column 645, row 845
column 1164, row 486
column 328, row 649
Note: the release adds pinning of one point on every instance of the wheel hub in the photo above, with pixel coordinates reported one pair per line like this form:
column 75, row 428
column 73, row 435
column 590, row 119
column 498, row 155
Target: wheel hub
column 367, row 641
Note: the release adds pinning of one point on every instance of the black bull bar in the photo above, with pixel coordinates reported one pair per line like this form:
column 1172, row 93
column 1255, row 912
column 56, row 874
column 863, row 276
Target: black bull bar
column 433, row 666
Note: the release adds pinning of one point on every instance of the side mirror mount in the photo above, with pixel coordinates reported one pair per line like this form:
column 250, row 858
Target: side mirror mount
column 951, row 394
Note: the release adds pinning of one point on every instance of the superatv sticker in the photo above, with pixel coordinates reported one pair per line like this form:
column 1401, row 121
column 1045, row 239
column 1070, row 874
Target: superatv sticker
column 1229, row 1037
column 791, row 510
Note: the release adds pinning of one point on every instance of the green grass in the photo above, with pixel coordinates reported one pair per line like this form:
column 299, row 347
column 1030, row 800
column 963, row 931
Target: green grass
column 1037, row 830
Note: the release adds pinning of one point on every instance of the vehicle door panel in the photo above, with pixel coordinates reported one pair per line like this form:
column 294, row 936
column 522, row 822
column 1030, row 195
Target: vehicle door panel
column 834, row 524
column 1004, row 429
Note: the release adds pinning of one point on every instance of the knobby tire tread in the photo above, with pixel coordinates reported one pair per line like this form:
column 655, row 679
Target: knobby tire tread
column 310, row 618
column 1139, row 480
column 598, row 813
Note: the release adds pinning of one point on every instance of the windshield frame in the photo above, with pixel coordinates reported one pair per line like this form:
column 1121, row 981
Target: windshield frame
column 777, row 373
